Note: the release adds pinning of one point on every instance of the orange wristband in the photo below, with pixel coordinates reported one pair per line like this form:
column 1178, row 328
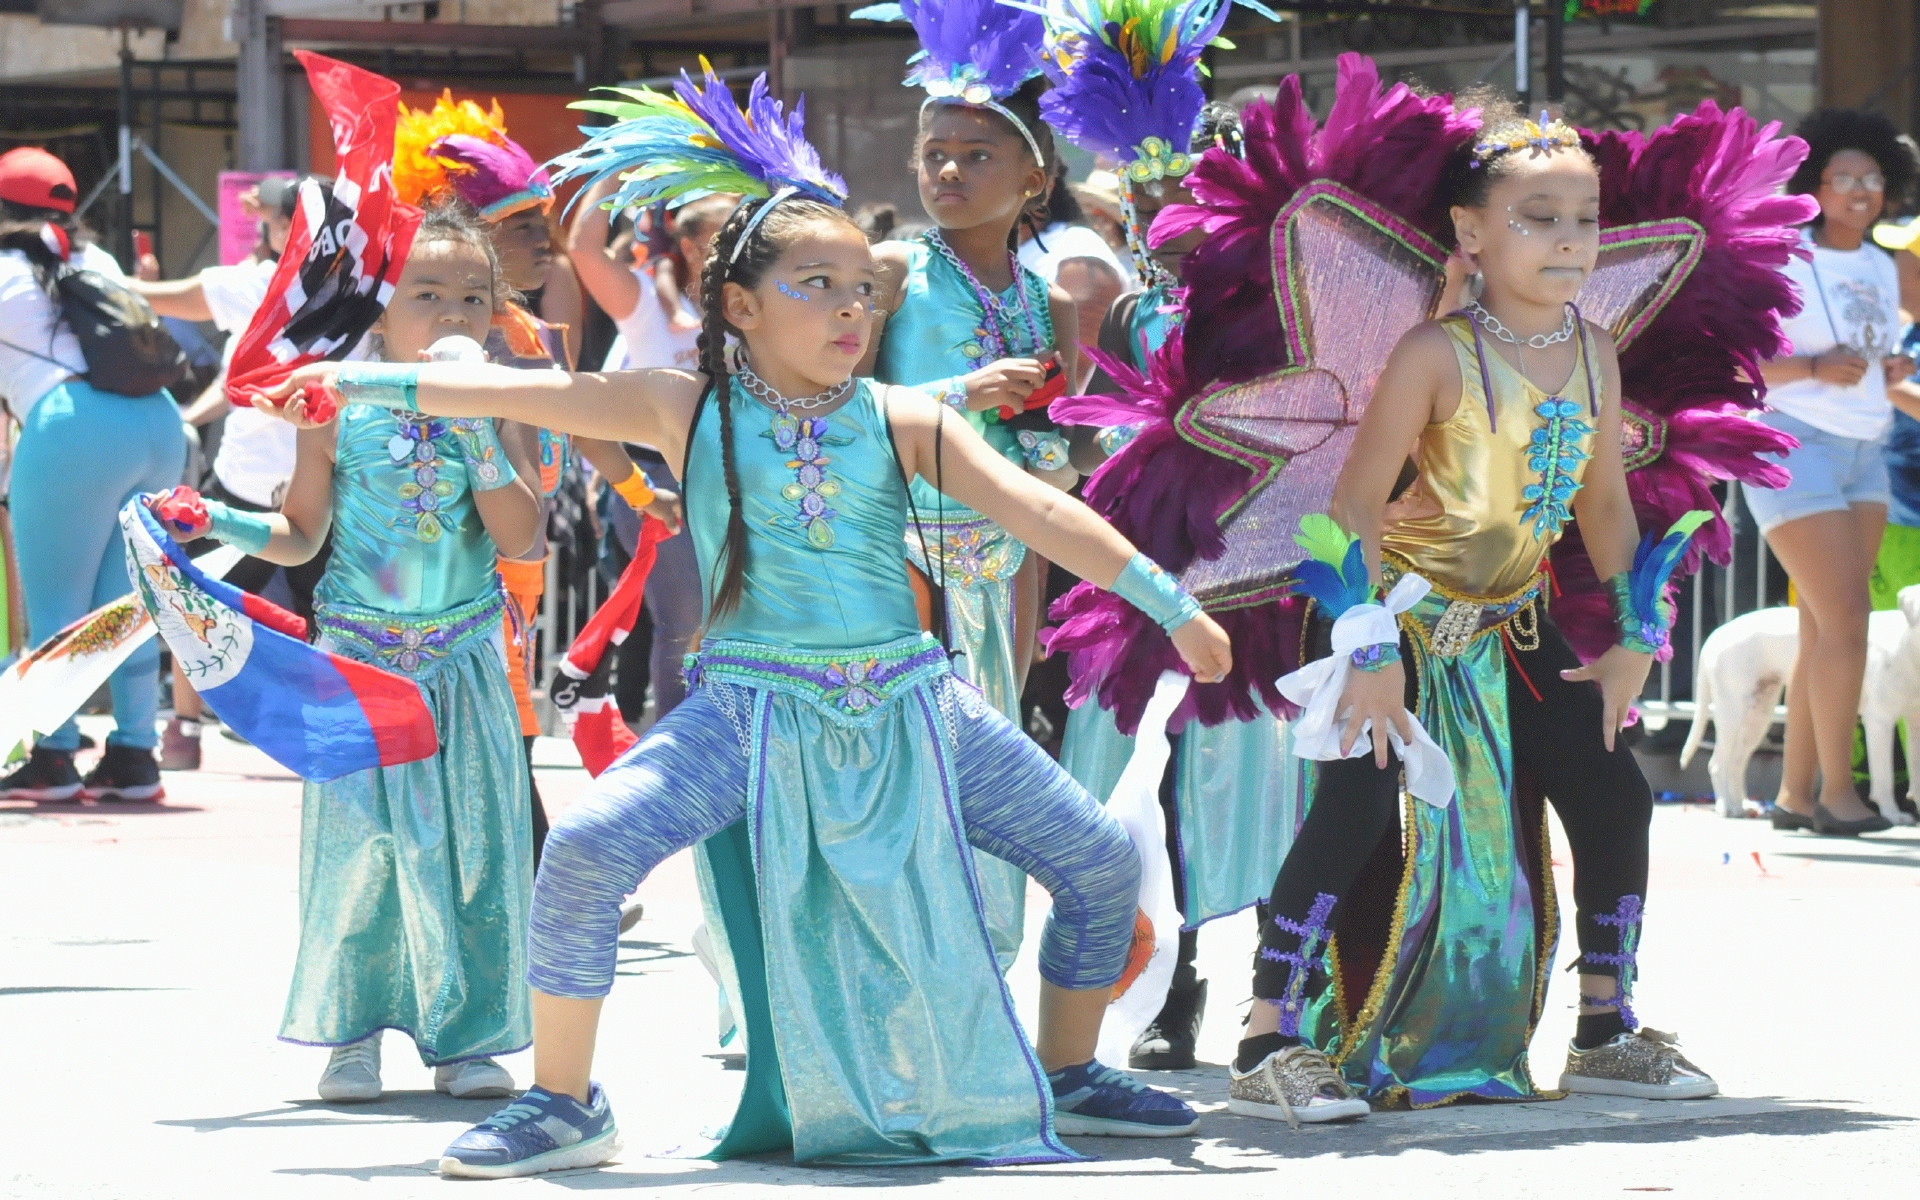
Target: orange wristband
column 635, row 490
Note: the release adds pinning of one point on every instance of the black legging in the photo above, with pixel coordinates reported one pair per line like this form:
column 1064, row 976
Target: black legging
column 1601, row 797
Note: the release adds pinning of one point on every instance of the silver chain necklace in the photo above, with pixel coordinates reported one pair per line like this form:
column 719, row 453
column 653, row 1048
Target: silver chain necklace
column 1539, row 341
column 762, row 391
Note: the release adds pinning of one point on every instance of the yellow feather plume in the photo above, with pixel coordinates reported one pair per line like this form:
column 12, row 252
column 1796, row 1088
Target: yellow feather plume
column 417, row 174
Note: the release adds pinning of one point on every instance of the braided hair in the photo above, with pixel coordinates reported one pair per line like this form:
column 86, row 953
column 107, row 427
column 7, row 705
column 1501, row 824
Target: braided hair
column 728, row 579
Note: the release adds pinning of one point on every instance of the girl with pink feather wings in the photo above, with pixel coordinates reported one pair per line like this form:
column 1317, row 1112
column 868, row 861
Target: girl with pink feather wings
column 1412, row 969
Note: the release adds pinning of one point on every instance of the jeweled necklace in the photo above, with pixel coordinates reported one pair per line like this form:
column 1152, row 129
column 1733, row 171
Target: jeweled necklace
column 763, row 391
column 998, row 313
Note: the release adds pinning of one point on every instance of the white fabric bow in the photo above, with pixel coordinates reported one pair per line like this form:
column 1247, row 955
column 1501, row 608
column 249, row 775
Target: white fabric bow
column 1318, row 686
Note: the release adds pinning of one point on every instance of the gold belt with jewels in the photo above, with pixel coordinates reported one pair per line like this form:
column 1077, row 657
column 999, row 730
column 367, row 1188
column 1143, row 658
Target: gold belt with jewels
column 1448, row 622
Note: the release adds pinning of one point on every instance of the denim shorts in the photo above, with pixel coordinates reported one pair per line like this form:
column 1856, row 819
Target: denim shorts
column 1830, row 474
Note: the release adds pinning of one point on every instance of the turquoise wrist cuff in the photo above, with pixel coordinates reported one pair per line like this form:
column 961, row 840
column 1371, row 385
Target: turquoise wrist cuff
column 488, row 466
column 1154, row 592
column 383, row 385
column 1043, row 451
column 248, row 531
column 1642, row 633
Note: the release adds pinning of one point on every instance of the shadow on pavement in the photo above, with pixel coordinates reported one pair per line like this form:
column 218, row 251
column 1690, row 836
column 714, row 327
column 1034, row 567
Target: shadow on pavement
column 393, row 1108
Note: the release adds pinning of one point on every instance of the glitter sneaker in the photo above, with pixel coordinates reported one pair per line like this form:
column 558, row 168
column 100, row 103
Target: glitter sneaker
column 1645, row 1064
column 538, row 1132
column 1295, row 1084
column 1095, row 1101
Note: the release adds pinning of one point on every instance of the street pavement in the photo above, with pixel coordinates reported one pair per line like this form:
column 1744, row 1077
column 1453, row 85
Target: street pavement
column 145, row 951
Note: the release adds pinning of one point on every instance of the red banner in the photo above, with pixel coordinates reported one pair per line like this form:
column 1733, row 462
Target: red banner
column 347, row 244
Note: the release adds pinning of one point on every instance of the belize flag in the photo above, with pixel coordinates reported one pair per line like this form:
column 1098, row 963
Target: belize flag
column 316, row 714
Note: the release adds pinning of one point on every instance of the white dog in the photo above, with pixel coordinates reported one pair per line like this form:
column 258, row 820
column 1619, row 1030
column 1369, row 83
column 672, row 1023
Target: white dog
column 1743, row 668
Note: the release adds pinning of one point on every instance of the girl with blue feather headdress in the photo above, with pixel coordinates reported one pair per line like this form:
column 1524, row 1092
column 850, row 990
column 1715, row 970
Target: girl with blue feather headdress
column 962, row 320
column 834, row 774
column 1126, row 86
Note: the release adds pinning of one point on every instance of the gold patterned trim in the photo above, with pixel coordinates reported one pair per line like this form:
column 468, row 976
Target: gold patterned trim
column 1458, row 627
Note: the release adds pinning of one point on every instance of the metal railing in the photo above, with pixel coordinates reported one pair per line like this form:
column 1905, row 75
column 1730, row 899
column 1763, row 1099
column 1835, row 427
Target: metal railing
column 1718, row 595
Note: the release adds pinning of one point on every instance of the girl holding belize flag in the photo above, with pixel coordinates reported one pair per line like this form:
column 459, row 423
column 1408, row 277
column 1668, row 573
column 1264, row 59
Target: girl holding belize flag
column 414, row 879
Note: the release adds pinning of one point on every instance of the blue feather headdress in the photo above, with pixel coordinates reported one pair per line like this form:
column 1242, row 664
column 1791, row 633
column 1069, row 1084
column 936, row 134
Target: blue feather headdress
column 974, row 52
column 1126, row 85
column 699, row 142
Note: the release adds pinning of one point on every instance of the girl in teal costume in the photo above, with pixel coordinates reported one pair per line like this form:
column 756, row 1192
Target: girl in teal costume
column 829, row 764
column 1231, row 789
column 414, row 880
column 964, row 322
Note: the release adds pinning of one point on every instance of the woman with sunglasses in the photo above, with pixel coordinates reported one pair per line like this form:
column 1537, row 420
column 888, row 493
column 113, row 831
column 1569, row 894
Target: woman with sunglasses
column 1834, row 391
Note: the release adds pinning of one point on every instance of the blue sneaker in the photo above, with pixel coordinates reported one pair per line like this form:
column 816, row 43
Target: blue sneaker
column 1095, row 1101
column 538, row 1132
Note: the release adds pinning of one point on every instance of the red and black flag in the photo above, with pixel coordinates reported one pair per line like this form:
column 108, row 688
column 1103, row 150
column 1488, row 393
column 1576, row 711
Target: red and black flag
column 347, row 244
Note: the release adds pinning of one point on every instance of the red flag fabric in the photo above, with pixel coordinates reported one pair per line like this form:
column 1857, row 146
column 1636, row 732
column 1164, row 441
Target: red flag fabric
column 347, row 244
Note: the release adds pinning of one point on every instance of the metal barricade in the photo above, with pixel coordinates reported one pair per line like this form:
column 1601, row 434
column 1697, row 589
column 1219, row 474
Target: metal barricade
column 1717, row 595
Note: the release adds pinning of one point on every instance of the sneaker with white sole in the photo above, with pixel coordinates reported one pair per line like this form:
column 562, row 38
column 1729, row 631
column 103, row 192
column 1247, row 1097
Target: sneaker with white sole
column 538, row 1132
column 47, row 775
column 1092, row 1100
column 125, row 773
column 474, row 1079
column 1645, row 1064
column 1295, row 1084
column 353, row 1073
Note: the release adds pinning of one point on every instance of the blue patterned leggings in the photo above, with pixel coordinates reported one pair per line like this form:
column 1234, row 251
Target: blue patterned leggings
column 687, row 780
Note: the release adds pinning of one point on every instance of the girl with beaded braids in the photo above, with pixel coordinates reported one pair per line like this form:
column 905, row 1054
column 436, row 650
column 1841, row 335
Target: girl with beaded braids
column 960, row 319
column 1504, row 404
column 832, row 770
column 414, row 879
column 1126, row 76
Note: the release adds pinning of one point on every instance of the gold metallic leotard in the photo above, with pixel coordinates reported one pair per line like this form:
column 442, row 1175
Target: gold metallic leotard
column 1494, row 493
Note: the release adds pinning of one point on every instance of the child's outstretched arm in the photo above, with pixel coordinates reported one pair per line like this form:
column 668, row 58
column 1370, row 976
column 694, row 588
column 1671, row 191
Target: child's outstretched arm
column 652, row 406
column 291, row 536
column 1604, row 511
column 1057, row 526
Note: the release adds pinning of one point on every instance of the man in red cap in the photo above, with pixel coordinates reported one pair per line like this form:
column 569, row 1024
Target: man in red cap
column 32, row 178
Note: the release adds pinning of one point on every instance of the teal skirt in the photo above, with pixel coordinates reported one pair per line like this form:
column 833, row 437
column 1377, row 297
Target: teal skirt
column 415, row 880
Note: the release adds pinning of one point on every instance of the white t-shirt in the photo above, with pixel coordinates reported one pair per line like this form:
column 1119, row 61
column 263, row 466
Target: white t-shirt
column 256, row 450
column 1851, row 298
column 30, row 320
column 651, row 339
column 1065, row 242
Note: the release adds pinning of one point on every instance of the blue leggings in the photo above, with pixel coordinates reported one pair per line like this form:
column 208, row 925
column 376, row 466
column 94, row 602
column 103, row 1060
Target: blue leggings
column 687, row 780
column 83, row 454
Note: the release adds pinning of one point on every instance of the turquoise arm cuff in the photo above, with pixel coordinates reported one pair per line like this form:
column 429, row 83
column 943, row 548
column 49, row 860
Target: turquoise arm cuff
column 488, row 466
column 383, row 385
column 1154, row 592
column 248, row 531
column 1642, row 633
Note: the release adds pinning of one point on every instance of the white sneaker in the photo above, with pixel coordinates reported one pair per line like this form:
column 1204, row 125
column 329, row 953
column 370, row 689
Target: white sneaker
column 353, row 1073
column 475, row 1079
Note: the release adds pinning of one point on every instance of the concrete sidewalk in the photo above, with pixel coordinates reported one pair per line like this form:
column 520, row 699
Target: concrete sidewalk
column 144, row 953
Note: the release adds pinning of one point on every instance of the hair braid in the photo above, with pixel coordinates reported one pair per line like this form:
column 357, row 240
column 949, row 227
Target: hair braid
column 729, row 574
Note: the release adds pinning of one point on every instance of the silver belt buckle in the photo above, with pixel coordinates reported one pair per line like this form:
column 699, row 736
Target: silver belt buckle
column 1455, row 629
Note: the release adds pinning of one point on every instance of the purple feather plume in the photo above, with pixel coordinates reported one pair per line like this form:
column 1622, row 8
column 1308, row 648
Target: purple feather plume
column 499, row 179
column 1166, row 494
column 1694, row 373
column 1099, row 103
column 771, row 143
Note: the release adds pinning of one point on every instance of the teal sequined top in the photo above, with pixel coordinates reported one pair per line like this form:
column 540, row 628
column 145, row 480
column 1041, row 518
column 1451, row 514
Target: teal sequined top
column 826, row 513
column 938, row 333
column 407, row 537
